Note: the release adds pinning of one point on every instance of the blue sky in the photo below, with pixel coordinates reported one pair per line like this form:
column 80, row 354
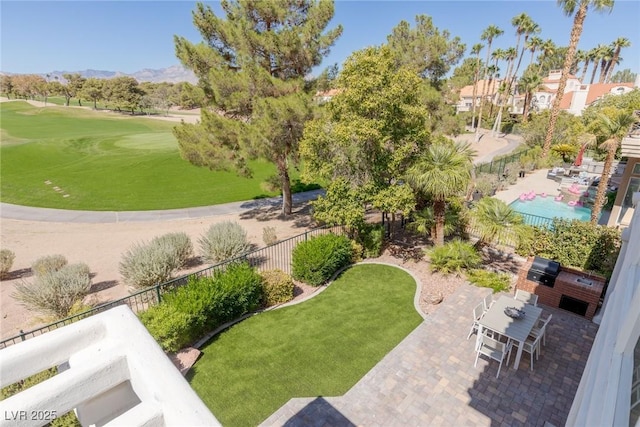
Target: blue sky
column 37, row 37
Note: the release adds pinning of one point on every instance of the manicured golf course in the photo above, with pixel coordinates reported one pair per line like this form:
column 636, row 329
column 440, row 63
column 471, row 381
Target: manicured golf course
column 70, row 158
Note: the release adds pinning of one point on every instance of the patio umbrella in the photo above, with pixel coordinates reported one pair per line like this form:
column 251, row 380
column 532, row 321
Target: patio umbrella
column 578, row 161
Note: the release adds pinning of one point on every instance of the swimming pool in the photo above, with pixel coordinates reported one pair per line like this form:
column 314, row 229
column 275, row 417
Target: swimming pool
column 547, row 207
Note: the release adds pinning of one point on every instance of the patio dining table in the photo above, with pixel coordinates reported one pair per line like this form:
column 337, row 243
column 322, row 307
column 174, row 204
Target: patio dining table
column 518, row 330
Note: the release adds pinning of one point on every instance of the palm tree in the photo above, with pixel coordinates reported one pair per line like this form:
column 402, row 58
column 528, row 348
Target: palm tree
column 581, row 58
column 524, row 26
column 612, row 128
column 490, row 33
column 548, row 48
column 605, row 62
column 586, row 58
column 443, row 170
column 569, row 7
column 494, row 218
column 618, row 44
column 475, row 50
column 533, row 44
column 598, row 53
column 528, row 84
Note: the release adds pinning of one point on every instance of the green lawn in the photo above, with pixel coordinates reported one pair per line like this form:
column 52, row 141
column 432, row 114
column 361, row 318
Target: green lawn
column 107, row 162
column 321, row 347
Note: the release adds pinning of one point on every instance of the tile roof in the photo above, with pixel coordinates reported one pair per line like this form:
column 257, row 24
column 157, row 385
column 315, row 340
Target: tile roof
column 554, row 80
column 565, row 102
column 598, row 90
column 490, row 88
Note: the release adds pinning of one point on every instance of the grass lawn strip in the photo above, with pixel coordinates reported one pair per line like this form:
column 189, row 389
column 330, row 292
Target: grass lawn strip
column 321, row 347
column 107, row 162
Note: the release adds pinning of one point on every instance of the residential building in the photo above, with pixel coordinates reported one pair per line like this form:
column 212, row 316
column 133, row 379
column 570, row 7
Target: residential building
column 466, row 101
column 325, row 96
column 609, row 391
column 577, row 96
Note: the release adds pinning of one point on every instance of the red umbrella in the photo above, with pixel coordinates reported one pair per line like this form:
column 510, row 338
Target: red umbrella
column 578, row 161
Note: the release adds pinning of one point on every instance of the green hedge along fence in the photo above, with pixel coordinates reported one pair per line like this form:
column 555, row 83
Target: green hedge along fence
column 277, row 256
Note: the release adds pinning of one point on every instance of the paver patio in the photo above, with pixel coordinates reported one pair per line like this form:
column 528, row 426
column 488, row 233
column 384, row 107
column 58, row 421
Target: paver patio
column 429, row 378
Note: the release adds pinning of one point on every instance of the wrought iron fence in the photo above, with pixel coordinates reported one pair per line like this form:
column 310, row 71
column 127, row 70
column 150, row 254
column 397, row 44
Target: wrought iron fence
column 276, row 256
column 498, row 165
column 509, row 237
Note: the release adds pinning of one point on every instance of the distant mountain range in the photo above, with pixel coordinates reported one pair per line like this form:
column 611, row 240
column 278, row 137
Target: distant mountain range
column 173, row 74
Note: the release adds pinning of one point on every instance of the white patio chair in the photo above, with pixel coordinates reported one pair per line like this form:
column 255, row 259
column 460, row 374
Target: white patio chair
column 526, row 297
column 487, row 302
column 494, row 349
column 540, row 328
column 531, row 346
column 478, row 312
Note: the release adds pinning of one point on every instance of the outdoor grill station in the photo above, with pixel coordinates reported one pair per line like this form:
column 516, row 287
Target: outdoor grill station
column 562, row 287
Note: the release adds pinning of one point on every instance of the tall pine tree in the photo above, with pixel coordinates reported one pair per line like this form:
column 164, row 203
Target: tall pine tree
column 251, row 65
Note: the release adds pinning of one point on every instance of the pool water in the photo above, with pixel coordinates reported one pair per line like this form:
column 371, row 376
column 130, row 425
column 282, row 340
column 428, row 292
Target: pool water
column 547, row 207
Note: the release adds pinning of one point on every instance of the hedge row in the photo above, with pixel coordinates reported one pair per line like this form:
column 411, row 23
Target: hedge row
column 575, row 244
column 205, row 303
column 316, row 260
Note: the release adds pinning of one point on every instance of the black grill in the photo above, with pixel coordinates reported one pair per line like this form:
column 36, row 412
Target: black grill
column 543, row 271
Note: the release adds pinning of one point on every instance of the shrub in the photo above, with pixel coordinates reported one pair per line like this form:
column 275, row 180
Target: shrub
column 6, row 262
column 223, row 241
column 204, row 304
column 499, row 282
column 179, row 243
column 277, row 287
column 454, row 257
column 146, row 265
column 48, row 264
column 575, row 244
column 316, row 260
column 486, row 183
column 269, row 236
column 357, row 251
column 372, row 240
column 55, row 293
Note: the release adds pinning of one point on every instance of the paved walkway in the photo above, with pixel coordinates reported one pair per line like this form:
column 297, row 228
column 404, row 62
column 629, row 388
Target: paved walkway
column 429, row 378
column 26, row 213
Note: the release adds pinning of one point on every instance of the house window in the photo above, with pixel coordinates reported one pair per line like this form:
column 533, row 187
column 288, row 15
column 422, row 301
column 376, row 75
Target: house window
column 636, row 169
column 634, row 187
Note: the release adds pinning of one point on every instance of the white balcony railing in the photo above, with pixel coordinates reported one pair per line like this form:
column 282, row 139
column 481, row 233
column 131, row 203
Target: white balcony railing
column 111, row 371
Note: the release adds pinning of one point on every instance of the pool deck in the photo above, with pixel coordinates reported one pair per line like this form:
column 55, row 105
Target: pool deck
column 536, row 181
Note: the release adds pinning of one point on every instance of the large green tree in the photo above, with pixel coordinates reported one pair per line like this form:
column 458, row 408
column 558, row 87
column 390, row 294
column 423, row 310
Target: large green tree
column 370, row 132
column 580, row 7
column 92, row 90
column 251, row 65
column 624, row 76
column 425, row 49
column 123, row 93
column 442, row 171
column 72, row 87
